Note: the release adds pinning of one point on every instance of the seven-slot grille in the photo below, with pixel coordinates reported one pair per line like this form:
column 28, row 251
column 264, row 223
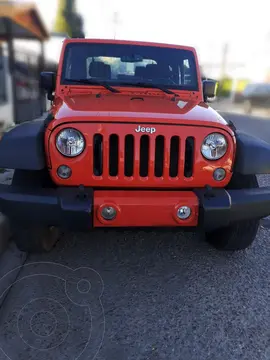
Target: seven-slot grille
column 143, row 156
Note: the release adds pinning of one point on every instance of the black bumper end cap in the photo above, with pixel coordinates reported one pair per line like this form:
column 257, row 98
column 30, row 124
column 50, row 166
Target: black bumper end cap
column 62, row 207
column 221, row 207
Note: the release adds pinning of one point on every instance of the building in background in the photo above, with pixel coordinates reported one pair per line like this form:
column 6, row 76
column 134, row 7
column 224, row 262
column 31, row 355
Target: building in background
column 26, row 49
column 21, row 97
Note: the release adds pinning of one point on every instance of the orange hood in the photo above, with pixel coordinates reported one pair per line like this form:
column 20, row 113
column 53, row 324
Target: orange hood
column 135, row 108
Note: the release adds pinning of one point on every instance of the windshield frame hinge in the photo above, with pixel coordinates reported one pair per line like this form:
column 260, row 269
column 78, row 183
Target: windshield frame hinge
column 65, row 90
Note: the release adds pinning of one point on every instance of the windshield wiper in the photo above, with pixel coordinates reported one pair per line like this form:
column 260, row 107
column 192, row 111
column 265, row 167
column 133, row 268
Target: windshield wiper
column 94, row 82
column 150, row 85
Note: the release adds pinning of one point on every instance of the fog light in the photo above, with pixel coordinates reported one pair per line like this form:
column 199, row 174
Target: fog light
column 64, row 172
column 219, row 174
column 183, row 212
column 108, row 213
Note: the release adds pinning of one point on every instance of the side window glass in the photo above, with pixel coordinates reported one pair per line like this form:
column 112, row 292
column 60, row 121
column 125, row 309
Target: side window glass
column 266, row 89
column 260, row 89
column 68, row 68
column 185, row 75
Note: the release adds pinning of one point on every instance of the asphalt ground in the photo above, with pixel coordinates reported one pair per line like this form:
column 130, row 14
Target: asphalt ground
column 142, row 295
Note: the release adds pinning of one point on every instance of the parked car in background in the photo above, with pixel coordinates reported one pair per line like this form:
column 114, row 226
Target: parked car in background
column 256, row 96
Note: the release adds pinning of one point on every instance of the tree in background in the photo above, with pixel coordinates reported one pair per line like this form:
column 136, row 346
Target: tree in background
column 68, row 20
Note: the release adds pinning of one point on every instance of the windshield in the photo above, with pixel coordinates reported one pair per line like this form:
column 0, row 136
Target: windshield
column 120, row 64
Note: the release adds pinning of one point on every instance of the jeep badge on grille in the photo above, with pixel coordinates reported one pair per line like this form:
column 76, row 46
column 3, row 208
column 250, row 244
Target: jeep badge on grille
column 142, row 129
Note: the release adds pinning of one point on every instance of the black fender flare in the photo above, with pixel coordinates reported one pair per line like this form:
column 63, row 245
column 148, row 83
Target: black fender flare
column 252, row 155
column 22, row 147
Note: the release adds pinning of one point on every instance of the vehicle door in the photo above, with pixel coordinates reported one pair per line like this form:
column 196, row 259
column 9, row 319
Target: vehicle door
column 262, row 96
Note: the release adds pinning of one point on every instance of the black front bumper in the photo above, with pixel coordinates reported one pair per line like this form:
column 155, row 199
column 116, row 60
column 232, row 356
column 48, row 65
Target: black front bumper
column 64, row 207
column 72, row 208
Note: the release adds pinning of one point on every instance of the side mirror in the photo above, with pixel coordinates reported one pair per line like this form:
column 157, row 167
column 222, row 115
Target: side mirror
column 48, row 83
column 209, row 89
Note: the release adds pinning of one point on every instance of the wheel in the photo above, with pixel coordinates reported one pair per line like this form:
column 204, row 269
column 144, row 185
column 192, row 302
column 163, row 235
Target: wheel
column 239, row 235
column 35, row 240
column 247, row 107
column 30, row 238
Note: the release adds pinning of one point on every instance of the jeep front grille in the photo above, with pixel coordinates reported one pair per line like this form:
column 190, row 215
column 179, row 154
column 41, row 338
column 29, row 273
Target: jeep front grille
column 118, row 156
column 155, row 156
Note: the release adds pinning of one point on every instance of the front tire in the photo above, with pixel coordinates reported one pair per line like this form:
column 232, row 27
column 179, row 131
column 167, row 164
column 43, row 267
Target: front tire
column 35, row 239
column 239, row 235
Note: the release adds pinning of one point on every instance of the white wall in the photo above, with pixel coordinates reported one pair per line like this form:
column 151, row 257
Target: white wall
column 6, row 110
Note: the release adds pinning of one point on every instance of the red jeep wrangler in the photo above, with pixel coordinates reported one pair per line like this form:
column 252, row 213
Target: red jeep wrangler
column 131, row 142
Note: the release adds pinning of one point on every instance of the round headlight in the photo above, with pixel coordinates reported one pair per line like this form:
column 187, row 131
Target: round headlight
column 214, row 146
column 70, row 142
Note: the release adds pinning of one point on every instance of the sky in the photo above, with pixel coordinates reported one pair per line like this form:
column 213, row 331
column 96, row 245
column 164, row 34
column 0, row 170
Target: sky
column 205, row 24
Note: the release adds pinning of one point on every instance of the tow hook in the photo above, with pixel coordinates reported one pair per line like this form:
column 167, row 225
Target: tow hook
column 209, row 193
column 82, row 195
